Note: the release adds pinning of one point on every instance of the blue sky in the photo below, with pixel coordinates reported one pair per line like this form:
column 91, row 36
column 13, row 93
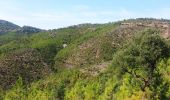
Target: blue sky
column 50, row 14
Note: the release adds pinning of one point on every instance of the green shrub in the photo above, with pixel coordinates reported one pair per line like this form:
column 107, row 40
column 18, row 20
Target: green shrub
column 139, row 58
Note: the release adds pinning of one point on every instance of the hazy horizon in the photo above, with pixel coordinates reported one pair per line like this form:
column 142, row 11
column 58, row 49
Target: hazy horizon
column 52, row 14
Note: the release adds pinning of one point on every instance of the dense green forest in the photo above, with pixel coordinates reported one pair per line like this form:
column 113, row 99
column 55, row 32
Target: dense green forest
column 125, row 60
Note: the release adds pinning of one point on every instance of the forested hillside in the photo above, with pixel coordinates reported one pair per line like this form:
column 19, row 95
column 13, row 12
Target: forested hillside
column 125, row 60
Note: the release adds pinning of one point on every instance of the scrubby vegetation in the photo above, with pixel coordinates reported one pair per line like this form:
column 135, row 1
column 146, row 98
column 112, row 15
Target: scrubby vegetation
column 114, row 61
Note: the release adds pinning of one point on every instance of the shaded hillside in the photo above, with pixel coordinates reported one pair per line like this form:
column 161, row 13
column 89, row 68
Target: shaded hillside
column 29, row 30
column 6, row 26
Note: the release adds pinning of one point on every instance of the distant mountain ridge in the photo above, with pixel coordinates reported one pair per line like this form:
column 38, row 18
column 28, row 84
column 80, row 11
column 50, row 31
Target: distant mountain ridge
column 29, row 29
column 6, row 26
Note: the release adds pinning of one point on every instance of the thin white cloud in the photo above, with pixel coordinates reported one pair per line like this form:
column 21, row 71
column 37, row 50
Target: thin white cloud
column 81, row 8
column 76, row 15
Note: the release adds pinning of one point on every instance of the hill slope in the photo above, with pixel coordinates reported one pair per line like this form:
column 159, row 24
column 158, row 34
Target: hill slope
column 6, row 26
column 123, row 60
